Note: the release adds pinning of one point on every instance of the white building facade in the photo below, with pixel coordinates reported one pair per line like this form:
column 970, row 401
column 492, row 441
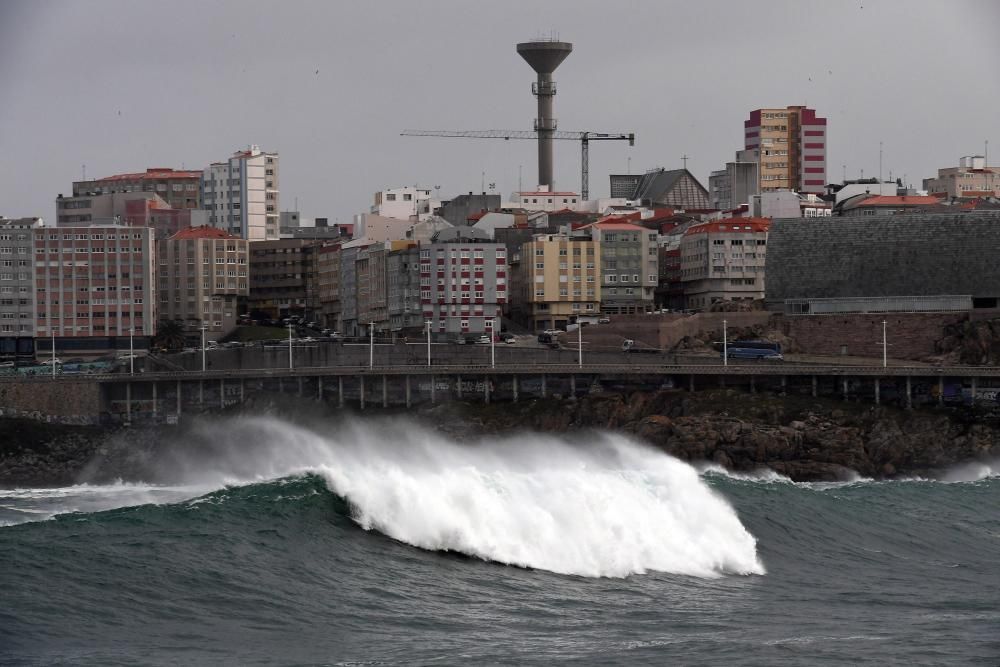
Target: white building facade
column 241, row 195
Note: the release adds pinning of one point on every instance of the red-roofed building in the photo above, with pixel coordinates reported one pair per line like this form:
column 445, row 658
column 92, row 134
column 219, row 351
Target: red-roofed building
column 724, row 261
column 872, row 205
column 202, row 274
column 179, row 188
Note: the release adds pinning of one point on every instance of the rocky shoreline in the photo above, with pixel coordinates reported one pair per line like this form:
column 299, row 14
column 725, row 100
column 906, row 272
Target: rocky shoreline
column 806, row 439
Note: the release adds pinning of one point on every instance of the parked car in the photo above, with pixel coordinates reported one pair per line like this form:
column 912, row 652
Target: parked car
column 604, row 320
column 51, row 362
column 507, row 337
column 483, row 340
column 510, row 341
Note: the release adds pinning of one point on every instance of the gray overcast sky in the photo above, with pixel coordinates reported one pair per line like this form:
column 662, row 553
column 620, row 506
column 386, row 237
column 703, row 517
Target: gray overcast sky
column 125, row 85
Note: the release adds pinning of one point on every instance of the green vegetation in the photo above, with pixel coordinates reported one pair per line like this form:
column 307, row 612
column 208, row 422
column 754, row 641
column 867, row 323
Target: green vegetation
column 246, row 334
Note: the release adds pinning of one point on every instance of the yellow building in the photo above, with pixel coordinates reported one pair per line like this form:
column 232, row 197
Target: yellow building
column 560, row 280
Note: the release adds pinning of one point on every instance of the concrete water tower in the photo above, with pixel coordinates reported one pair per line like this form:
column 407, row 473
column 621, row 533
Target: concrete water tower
column 544, row 57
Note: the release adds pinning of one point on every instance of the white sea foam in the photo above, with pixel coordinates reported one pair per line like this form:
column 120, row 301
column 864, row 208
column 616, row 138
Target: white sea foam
column 596, row 505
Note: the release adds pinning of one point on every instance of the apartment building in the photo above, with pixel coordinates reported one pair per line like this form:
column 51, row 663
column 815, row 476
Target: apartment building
column 327, row 277
column 94, row 285
column 463, row 282
column 278, row 278
column 372, row 293
column 241, row 194
column 17, row 285
column 971, row 178
column 559, row 280
column 406, row 203
column 792, row 145
column 724, row 261
column 180, row 189
column 203, row 273
column 629, row 265
column 403, row 268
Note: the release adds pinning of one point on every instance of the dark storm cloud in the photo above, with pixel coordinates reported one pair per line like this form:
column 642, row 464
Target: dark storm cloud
column 122, row 86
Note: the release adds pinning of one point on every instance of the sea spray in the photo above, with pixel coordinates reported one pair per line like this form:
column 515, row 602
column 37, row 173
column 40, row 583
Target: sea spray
column 596, row 505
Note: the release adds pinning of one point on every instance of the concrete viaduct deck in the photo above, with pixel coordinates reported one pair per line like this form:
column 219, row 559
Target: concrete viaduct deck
column 165, row 396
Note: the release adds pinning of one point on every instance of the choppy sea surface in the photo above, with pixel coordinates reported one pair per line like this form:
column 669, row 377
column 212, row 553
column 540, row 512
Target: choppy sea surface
column 383, row 544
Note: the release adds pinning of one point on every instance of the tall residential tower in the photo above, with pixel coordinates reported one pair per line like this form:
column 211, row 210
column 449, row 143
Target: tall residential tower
column 792, row 144
column 241, row 194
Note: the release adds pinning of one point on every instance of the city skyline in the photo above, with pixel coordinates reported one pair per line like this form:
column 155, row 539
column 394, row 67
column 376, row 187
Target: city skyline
column 149, row 90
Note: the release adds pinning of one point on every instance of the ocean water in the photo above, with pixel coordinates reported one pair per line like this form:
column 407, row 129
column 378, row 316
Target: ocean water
column 385, row 544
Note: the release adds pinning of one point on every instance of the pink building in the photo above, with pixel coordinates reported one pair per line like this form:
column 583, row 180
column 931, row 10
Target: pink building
column 93, row 285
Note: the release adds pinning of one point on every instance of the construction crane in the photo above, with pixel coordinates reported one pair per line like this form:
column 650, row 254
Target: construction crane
column 583, row 137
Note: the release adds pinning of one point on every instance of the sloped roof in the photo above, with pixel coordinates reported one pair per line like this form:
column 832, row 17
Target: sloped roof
column 202, row 232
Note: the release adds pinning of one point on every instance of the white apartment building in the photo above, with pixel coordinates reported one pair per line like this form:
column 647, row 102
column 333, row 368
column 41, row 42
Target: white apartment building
column 241, row 194
column 406, row 203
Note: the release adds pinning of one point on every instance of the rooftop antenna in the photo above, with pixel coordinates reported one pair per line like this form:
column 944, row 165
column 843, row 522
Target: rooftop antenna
column 84, row 172
column 845, row 173
column 684, row 159
column 880, row 162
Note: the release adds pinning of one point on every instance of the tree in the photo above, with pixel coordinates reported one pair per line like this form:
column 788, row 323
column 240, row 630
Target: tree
column 170, row 334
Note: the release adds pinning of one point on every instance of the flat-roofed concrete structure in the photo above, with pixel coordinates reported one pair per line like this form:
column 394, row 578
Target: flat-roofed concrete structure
column 892, row 258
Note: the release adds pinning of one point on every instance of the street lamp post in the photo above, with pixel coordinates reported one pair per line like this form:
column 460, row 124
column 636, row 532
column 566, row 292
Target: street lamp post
column 428, row 323
column 131, row 351
column 725, row 344
column 493, row 347
column 579, row 343
column 53, row 339
column 204, row 328
column 291, row 328
column 885, row 347
column 371, row 345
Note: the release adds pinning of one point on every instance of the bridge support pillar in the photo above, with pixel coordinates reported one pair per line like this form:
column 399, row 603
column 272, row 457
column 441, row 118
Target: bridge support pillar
column 201, row 394
column 878, row 387
column 300, row 387
column 844, row 385
column 154, row 400
column 222, row 393
column 753, row 385
column 128, row 401
column 940, row 390
column 243, row 391
column 408, row 403
column 974, row 383
column 362, row 379
column 433, row 393
column 514, row 378
column 784, row 385
column 691, row 383
column 458, row 384
column 178, row 398
column 572, row 385
column 319, row 388
column 486, row 390
column 544, row 389
column 909, row 394
column 814, row 383
column 340, row 391
column 385, row 392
